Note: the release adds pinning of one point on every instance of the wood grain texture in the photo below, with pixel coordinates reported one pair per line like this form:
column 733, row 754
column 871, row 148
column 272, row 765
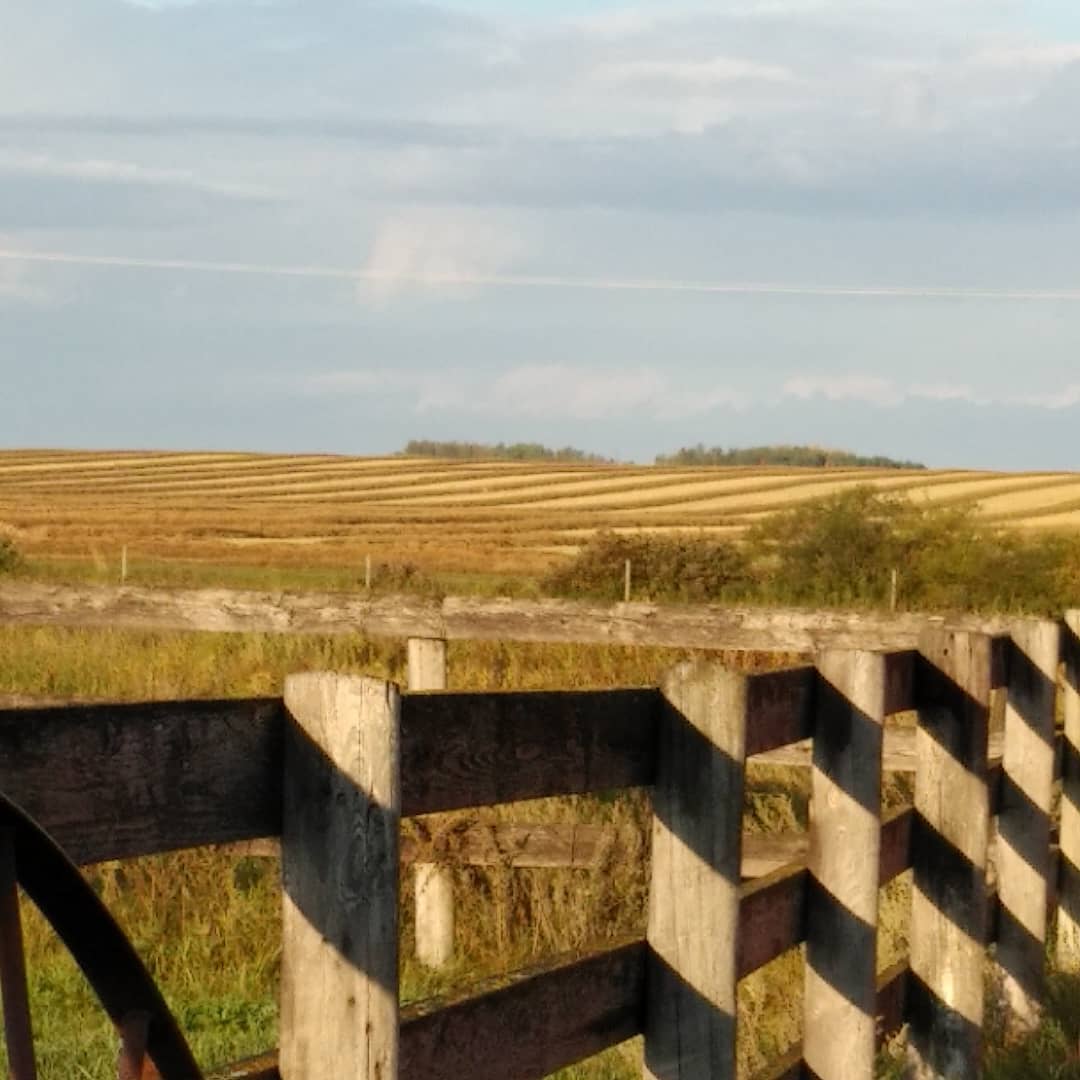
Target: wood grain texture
column 531, row 1024
column 457, row 618
column 845, row 842
column 950, row 839
column 694, row 885
column 426, row 663
column 779, row 708
column 1067, row 945
column 1022, row 851
column 771, row 917
column 481, row 749
column 116, row 781
column 433, row 884
column 339, row 858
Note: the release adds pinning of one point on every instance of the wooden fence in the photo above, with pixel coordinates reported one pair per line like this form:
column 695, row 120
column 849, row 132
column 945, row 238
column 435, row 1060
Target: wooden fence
column 333, row 766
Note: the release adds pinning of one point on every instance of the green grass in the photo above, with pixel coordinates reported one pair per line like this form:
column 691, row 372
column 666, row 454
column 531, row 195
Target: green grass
column 196, row 574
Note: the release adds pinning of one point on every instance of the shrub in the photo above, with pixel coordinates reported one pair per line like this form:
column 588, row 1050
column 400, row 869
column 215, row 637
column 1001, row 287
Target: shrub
column 680, row 567
column 841, row 550
column 10, row 559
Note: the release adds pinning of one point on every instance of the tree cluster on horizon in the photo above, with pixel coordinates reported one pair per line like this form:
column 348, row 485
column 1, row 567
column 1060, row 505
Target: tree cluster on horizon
column 775, row 454
column 806, row 456
column 472, row 451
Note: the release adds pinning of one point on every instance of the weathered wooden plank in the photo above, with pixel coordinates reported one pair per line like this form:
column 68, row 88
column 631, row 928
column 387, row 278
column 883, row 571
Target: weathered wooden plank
column 531, row 1024
column 116, row 781
column 779, row 708
column 515, row 1027
column 426, row 664
column 1068, row 921
column 950, row 838
column 895, row 854
column 694, row 887
column 1022, row 853
column 433, row 883
column 463, row 750
column 771, row 917
column 845, row 843
column 339, row 863
column 891, row 992
column 458, row 618
column 898, row 753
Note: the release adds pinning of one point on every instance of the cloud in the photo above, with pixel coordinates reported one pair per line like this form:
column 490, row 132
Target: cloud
column 538, row 391
column 718, row 71
column 875, row 390
column 445, row 249
column 1039, row 55
column 868, row 388
column 108, row 171
column 1066, row 398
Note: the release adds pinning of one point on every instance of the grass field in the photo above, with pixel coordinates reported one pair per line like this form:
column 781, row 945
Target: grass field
column 73, row 512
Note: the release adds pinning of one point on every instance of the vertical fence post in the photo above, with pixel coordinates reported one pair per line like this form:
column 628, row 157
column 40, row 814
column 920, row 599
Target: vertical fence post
column 840, row 1001
column 433, row 884
column 1023, row 847
column 367, row 572
column 694, row 889
column 626, row 582
column 1068, row 912
column 123, row 564
column 950, row 835
column 339, row 854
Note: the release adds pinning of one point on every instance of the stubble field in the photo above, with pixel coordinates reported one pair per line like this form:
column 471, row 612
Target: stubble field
column 322, row 515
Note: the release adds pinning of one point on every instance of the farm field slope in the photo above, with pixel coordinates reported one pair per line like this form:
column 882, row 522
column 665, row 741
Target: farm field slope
column 469, row 516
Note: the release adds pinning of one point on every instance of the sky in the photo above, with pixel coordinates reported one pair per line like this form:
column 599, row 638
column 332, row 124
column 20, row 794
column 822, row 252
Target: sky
column 337, row 225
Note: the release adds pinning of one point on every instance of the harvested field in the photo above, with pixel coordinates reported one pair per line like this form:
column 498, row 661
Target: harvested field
column 496, row 517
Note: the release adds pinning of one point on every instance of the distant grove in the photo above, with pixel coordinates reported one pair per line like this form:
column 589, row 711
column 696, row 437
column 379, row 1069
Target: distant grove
column 815, row 457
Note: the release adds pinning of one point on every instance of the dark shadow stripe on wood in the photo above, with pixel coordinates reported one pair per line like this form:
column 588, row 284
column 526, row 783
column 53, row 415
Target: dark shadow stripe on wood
column 948, row 879
column 944, row 1039
column 779, row 708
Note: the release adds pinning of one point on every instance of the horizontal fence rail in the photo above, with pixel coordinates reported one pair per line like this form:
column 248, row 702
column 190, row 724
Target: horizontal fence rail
column 463, row 618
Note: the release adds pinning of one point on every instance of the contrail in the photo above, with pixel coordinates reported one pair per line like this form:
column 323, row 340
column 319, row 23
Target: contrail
column 534, row 281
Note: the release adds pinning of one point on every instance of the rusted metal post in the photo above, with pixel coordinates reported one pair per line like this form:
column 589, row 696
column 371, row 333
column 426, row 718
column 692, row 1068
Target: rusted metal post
column 18, row 1030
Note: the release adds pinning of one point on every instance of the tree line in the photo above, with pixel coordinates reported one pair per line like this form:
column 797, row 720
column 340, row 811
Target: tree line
column 803, row 456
